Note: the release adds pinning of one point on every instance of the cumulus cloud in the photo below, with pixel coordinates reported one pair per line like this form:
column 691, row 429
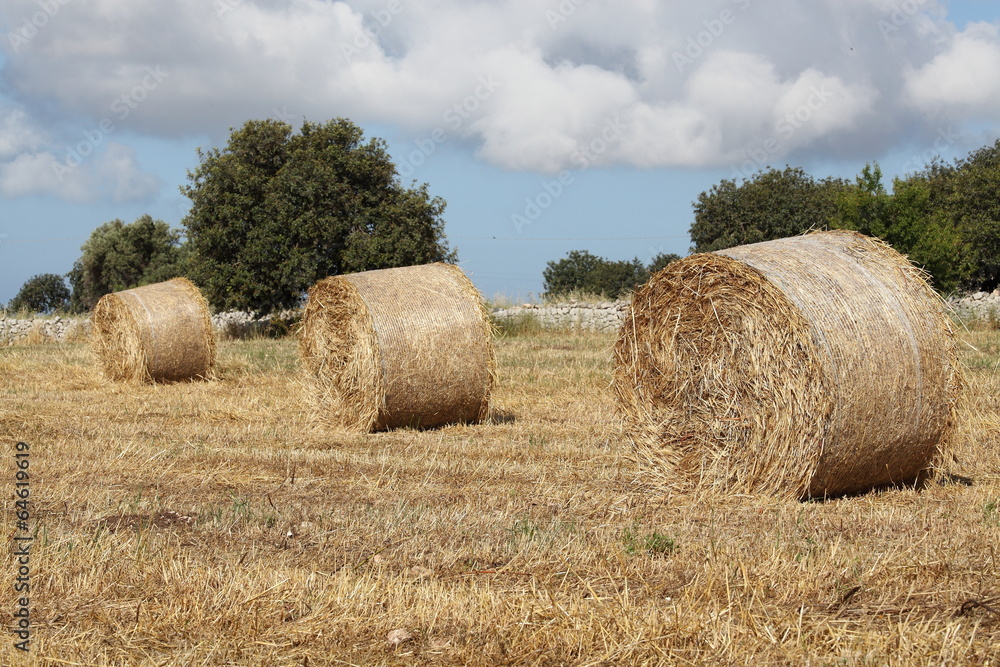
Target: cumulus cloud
column 17, row 132
column 965, row 75
column 533, row 85
column 114, row 175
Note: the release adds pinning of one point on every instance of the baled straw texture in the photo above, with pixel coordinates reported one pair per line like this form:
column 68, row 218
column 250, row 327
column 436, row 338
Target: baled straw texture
column 398, row 347
column 813, row 366
column 155, row 333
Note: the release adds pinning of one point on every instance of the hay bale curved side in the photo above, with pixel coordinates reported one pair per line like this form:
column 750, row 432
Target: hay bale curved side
column 155, row 333
column 398, row 347
column 812, row 366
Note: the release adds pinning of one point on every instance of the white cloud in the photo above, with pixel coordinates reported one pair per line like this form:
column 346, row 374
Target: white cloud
column 687, row 84
column 967, row 74
column 121, row 177
column 17, row 132
column 113, row 174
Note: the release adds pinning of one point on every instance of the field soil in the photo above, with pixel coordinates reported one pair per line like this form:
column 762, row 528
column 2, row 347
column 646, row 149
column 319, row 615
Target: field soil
column 205, row 523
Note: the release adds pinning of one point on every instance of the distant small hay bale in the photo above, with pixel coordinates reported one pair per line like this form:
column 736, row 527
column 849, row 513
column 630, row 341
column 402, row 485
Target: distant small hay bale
column 813, row 366
column 398, row 347
column 156, row 333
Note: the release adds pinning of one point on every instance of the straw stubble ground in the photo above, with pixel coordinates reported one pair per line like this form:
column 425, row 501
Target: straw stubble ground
column 206, row 523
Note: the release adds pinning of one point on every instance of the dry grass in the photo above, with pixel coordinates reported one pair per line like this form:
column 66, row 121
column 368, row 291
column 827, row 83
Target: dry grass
column 202, row 523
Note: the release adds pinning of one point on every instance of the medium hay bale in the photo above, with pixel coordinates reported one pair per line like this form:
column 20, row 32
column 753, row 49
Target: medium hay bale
column 813, row 366
column 155, row 333
column 398, row 347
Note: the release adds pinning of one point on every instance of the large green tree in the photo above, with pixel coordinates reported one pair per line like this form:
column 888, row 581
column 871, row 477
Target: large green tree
column 772, row 204
column 580, row 271
column 907, row 220
column 43, row 293
column 274, row 211
column 966, row 194
column 120, row 256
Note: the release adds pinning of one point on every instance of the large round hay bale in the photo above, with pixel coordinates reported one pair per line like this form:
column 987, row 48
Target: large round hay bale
column 398, row 347
column 155, row 333
column 812, row 366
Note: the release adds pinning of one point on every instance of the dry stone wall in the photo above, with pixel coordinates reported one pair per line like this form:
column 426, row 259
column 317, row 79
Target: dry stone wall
column 977, row 306
column 606, row 316
column 57, row 328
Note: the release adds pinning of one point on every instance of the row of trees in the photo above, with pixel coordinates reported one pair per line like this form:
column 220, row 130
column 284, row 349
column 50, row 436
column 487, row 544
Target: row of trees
column 946, row 218
column 272, row 212
column 585, row 273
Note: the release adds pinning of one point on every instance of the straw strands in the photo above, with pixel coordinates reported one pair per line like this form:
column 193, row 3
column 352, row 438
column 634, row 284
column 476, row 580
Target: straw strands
column 397, row 347
column 160, row 332
column 812, row 366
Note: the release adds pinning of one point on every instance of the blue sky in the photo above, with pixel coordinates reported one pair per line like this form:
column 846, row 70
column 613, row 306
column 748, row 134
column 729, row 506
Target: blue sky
column 547, row 126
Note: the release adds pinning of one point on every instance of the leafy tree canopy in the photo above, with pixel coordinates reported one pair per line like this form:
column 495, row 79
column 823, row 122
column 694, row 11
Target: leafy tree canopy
column 965, row 198
column 661, row 260
column 946, row 218
column 770, row 205
column 121, row 256
column 580, row 271
column 43, row 293
column 275, row 211
column 906, row 220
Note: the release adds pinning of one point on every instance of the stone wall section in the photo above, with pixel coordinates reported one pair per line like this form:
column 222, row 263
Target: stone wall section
column 56, row 328
column 977, row 306
column 605, row 316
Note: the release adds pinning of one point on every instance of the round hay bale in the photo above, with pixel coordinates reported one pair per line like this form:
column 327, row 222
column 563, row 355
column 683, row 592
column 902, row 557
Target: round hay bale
column 813, row 366
column 398, row 347
column 155, row 333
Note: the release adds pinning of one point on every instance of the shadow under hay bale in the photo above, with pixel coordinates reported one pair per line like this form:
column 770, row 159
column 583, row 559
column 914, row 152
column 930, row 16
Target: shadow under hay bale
column 155, row 333
column 398, row 347
column 814, row 366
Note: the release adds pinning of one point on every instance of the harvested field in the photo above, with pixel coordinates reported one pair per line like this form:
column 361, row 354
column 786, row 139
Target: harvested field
column 203, row 523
